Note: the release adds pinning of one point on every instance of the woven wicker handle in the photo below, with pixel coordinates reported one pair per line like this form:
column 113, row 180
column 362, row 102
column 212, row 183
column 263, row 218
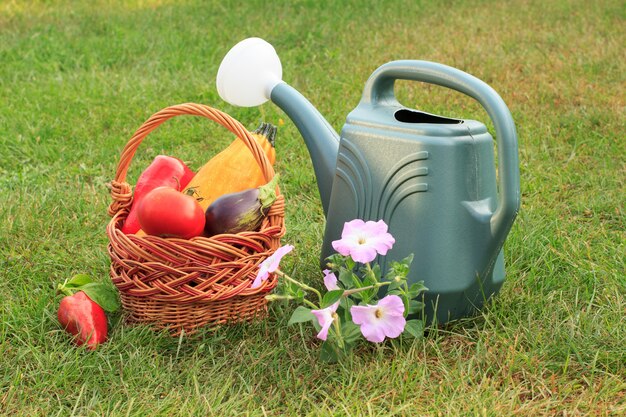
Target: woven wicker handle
column 121, row 191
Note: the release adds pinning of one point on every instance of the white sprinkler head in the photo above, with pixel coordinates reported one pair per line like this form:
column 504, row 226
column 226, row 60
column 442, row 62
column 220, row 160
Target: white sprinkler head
column 248, row 73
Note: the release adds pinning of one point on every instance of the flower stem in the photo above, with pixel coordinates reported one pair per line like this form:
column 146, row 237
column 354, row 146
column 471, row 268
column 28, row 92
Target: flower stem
column 276, row 297
column 310, row 304
column 299, row 284
column 407, row 299
column 370, row 271
column 338, row 332
column 355, row 290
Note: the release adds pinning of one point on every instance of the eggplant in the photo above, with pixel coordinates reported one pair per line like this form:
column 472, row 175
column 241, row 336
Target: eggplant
column 241, row 211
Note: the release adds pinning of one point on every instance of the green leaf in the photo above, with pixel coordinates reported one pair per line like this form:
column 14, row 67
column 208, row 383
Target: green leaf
column 350, row 264
column 399, row 269
column 416, row 289
column 407, row 305
column 335, row 261
column 79, row 280
column 370, row 275
column 294, row 290
column 289, row 288
column 346, row 303
column 394, row 286
column 350, row 332
column 415, row 306
column 318, row 327
column 368, row 295
column 345, row 277
column 356, row 281
column 368, row 279
column 102, row 295
column 377, row 272
column 415, row 328
column 396, row 291
column 408, row 260
column 301, row 315
column 331, row 297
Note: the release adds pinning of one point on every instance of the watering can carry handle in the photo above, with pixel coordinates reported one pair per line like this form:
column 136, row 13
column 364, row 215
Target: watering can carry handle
column 379, row 90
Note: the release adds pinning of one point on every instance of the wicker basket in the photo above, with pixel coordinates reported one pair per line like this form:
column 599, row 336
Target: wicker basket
column 182, row 284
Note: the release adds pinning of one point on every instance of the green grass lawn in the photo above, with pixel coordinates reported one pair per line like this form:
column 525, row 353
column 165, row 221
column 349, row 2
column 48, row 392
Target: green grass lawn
column 76, row 80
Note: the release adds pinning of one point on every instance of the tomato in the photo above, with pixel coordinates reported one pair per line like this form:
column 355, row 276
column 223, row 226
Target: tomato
column 167, row 212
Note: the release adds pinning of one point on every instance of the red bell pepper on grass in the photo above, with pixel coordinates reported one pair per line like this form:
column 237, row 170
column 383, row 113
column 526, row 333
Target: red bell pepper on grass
column 83, row 318
column 82, row 310
column 163, row 171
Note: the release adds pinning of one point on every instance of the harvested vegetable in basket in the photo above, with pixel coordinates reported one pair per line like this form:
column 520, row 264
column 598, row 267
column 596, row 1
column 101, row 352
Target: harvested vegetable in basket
column 242, row 211
column 234, row 169
column 167, row 212
column 163, row 171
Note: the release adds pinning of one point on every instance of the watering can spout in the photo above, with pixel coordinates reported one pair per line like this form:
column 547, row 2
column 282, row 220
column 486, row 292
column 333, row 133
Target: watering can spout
column 321, row 139
column 251, row 74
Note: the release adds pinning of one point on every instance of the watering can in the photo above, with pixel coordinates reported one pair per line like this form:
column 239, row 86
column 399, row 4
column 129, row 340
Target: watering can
column 432, row 179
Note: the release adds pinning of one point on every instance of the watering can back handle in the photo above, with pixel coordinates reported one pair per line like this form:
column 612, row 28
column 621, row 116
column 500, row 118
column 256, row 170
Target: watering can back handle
column 379, row 90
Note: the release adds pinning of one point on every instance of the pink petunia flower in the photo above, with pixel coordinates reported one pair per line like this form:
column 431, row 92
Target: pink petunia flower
column 364, row 240
column 385, row 319
column 330, row 280
column 270, row 265
column 325, row 317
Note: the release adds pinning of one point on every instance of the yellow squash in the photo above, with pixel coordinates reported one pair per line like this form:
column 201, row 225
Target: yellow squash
column 234, row 169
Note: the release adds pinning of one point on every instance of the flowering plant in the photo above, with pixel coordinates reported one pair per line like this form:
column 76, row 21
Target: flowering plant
column 352, row 308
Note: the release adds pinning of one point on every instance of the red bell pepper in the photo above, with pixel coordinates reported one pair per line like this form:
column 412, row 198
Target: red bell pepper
column 163, row 171
column 82, row 310
column 83, row 318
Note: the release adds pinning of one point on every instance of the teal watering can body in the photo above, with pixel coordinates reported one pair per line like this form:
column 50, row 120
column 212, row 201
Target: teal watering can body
column 432, row 179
